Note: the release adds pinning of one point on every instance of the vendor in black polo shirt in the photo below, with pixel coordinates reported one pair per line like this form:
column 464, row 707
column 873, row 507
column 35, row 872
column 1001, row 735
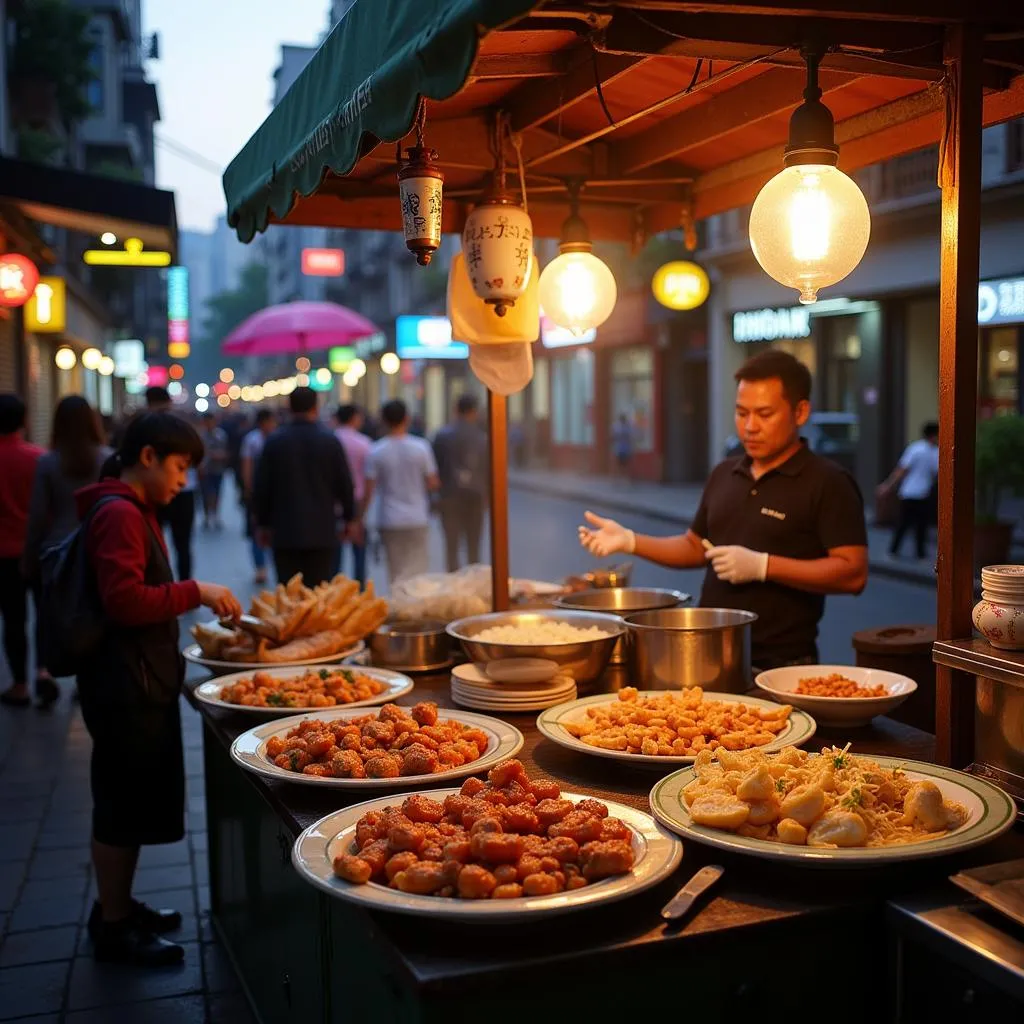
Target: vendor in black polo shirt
column 786, row 526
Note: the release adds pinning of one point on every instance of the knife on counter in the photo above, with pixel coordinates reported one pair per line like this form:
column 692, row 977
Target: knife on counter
column 683, row 900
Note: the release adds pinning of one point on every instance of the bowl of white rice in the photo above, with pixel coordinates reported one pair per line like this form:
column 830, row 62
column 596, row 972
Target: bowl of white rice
column 580, row 643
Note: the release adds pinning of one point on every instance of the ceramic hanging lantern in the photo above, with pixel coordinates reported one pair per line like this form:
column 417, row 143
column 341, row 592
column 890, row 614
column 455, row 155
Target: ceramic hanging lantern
column 420, row 186
column 497, row 242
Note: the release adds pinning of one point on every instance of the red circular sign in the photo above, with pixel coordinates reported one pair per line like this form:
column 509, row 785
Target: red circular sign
column 18, row 279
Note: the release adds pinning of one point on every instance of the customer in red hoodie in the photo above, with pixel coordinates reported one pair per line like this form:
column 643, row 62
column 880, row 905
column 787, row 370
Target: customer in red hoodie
column 17, row 471
column 130, row 686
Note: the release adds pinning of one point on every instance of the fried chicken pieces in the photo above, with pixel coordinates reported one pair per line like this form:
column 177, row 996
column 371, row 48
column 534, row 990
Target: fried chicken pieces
column 506, row 838
column 394, row 742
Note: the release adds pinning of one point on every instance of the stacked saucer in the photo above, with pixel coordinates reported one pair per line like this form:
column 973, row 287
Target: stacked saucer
column 474, row 687
column 1003, row 583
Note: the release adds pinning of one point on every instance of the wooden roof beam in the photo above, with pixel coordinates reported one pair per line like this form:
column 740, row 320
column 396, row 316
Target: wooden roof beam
column 771, row 92
column 518, row 65
column 533, row 104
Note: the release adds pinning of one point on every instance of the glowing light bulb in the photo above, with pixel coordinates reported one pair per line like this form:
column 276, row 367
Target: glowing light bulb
column 106, row 366
column 809, row 227
column 272, row 389
column 202, row 390
column 350, row 379
column 577, row 291
column 357, row 367
column 390, row 363
column 223, row 401
column 322, row 376
column 301, row 380
column 302, row 364
column 234, row 392
column 202, row 405
column 227, row 375
column 65, row 358
column 91, row 358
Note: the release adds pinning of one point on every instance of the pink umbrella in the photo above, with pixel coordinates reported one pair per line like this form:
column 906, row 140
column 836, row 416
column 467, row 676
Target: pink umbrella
column 297, row 327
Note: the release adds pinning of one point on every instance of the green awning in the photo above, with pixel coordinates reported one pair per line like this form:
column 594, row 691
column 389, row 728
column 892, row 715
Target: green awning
column 362, row 87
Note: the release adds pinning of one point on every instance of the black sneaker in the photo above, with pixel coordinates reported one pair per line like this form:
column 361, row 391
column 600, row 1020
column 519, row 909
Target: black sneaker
column 126, row 943
column 159, row 922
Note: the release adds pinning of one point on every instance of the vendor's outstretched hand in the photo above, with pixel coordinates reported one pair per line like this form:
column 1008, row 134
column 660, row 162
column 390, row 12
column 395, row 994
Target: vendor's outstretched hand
column 220, row 600
column 605, row 537
column 735, row 564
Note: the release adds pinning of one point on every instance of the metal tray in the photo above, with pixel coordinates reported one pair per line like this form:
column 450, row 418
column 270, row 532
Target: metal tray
column 1000, row 886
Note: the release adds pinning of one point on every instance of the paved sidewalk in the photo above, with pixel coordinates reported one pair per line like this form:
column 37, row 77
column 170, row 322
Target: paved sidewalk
column 676, row 505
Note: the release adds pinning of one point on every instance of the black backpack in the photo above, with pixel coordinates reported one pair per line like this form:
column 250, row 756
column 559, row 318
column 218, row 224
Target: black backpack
column 71, row 617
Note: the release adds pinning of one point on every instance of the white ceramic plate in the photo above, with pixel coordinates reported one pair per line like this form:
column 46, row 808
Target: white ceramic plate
column 849, row 711
column 194, row 653
column 990, row 813
column 547, row 699
column 249, row 750
column 519, row 709
column 396, row 685
column 657, row 854
column 515, row 671
column 497, row 692
column 800, row 728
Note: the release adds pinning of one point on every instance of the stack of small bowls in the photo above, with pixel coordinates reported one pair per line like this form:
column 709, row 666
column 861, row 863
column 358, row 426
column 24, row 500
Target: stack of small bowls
column 999, row 615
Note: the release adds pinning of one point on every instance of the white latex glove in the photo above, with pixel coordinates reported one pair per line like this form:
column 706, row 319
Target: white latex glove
column 607, row 536
column 736, row 564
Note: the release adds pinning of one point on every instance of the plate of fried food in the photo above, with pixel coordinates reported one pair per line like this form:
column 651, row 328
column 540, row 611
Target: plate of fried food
column 655, row 728
column 834, row 808
column 838, row 694
column 292, row 625
column 390, row 748
column 507, row 847
column 273, row 692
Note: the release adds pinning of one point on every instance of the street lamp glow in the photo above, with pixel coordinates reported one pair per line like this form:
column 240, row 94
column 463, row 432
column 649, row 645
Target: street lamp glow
column 302, row 364
column 234, row 392
column 65, row 358
column 227, row 375
column 322, row 376
column 223, row 401
column 577, row 291
column 390, row 363
column 91, row 358
column 272, row 389
column 246, row 393
column 106, row 367
column 350, row 379
column 809, row 227
column 202, row 405
column 257, row 393
column 358, row 368
column 174, row 389
column 202, row 390
column 301, row 380
column 108, row 238
column 288, row 385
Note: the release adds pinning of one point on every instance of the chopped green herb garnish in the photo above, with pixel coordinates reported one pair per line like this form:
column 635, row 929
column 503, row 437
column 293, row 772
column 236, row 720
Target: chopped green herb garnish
column 324, row 674
column 839, row 761
column 781, row 785
column 348, row 676
column 274, row 699
column 855, row 798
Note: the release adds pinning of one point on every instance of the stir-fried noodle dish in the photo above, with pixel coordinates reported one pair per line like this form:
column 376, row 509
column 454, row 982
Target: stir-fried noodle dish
column 835, row 799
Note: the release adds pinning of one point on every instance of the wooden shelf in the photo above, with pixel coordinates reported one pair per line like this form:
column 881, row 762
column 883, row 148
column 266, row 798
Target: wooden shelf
column 980, row 658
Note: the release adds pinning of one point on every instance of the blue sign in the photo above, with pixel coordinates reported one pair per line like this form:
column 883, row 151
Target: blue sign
column 177, row 293
column 427, row 337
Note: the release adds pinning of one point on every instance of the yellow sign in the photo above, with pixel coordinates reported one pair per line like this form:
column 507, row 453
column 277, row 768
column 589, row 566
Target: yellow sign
column 46, row 310
column 178, row 349
column 681, row 285
column 132, row 256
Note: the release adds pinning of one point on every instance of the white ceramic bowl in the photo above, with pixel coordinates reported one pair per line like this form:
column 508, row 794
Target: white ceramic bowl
column 781, row 683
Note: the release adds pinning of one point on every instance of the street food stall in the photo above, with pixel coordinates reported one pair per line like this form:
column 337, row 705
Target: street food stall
column 636, row 117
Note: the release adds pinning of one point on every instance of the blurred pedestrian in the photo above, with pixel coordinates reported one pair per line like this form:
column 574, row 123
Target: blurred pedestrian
column 622, row 445
column 18, row 460
column 302, row 479
column 357, row 447
column 460, row 450
column 131, row 683
column 179, row 514
column 401, row 470
column 915, row 476
column 252, row 446
column 77, row 453
column 215, row 465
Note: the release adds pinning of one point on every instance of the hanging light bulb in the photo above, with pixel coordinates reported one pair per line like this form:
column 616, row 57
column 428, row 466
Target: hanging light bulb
column 809, row 225
column 420, row 189
column 91, row 358
column 497, row 241
column 577, row 290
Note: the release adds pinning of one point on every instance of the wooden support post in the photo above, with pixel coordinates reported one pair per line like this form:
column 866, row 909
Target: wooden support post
column 498, row 431
column 960, row 173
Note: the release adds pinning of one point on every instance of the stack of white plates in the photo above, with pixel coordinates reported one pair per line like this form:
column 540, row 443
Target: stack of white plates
column 1003, row 584
column 472, row 687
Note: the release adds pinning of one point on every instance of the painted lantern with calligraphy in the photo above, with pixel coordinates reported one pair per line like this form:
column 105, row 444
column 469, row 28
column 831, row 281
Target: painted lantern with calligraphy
column 18, row 279
column 420, row 188
column 497, row 243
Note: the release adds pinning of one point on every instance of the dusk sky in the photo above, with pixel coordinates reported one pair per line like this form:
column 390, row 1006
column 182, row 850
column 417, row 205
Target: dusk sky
column 214, row 83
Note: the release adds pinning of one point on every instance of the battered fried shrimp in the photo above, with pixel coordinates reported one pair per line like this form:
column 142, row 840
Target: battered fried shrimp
column 578, row 825
column 612, row 828
column 376, row 855
column 406, row 837
column 509, row 891
column 505, row 873
column 540, row 884
column 497, row 847
column 418, row 760
column 550, row 811
column 423, row 878
column 319, row 743
column 476, row 882
column 508, row 771
column 477, row 809
column 276, row 746
column 382, row 732
column 472, row 786
column 347, row 764
column 458, row 849
column 520, row 818
column 455, row 804
column 519, row 794
column 450, row 756
column 369, row 827
column 593, row 807
column 495, row 796
column 602, row 860
column 489, row 824
column 425, row 713
column 319, row 771
column 352, row 869
column 545, row 789
column 527, row 865
column 422, row 808
column 384, row 766
column 399, row 862
column 392, row 713
column 432, row 851
column 563, row 848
